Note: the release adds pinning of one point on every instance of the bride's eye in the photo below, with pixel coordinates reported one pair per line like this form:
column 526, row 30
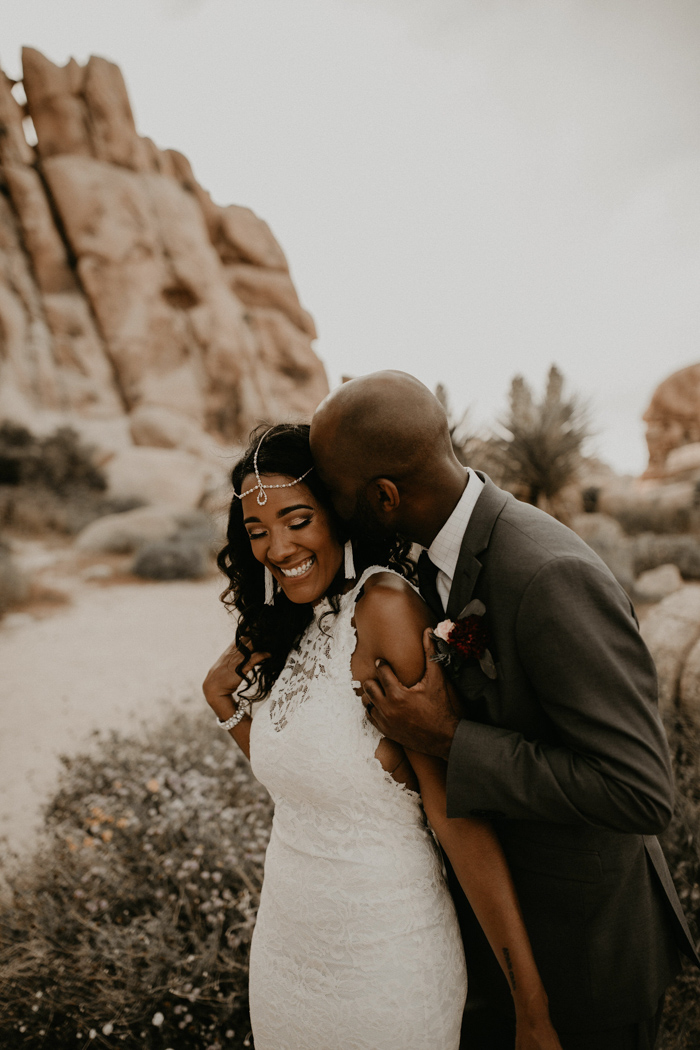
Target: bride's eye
column 258, row 534
column 299, row 523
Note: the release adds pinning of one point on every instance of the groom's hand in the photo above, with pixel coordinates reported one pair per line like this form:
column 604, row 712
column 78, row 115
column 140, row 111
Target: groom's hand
column 423, row 717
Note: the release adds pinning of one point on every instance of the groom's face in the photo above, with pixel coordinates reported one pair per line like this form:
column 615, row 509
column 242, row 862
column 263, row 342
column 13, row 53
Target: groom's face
column 349, row 498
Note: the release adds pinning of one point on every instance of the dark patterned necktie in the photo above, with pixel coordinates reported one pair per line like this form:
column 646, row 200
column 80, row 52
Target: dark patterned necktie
column 427, row 581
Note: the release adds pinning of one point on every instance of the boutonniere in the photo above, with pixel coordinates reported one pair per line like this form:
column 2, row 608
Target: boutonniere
column 463, row 639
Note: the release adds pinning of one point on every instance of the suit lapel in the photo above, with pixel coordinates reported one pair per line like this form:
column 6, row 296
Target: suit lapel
column 476, row 538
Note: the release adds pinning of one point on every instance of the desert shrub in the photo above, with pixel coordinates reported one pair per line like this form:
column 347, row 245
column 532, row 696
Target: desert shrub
column 131, row 923
column 14, row 587
column 197, row 526
column 650, row 550
column 681, row 843
column 660, row 518
column 36, row 509
column 540, row 450
column 51, row 484
column 672, row 508
column 58, row 462
column 181, row 557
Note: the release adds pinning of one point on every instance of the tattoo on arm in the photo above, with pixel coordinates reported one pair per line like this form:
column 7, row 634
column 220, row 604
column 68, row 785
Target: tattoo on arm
column 511, row 975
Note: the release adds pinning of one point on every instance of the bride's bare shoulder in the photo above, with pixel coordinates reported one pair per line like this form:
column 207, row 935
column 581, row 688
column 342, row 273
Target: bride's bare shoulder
column 388, row 600
column 390, row 619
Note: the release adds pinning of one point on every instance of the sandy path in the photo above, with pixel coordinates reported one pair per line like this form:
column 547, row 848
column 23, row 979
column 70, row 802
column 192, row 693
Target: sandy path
column 119, row 655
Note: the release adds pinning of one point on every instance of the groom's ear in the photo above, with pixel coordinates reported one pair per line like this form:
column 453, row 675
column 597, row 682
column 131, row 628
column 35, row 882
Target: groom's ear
column 384, row 495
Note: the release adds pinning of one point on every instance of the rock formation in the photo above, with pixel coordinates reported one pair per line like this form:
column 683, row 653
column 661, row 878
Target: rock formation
column 673, row 426
column 126, row 295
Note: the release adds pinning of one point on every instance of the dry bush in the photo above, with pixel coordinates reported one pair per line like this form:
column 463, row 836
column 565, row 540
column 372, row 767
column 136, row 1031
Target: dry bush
column 650, row 550
column 181, row 557
column 681, row 843
column 51, row 484
column 35, row 510
column 663, row 509
column 141, row 900
column 58, row 462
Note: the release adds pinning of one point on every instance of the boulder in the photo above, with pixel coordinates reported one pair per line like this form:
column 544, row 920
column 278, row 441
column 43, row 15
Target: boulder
column 245, row 237
column 655, row 584
column 160, row 427
column 670, row 630
column 122, row 284
column 127, row 532
column 159, row 475
column 683, row 461
column 672, row 418
column 256, row 286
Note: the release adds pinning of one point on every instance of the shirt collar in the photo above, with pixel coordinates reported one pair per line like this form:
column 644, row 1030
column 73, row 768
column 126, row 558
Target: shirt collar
column 445, row 548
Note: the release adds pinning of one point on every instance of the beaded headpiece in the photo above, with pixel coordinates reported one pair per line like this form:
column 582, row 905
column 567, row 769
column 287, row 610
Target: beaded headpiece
column 262, row 494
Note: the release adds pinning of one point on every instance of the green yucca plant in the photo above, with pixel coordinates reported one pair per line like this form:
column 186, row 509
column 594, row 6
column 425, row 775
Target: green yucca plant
column 540, row 447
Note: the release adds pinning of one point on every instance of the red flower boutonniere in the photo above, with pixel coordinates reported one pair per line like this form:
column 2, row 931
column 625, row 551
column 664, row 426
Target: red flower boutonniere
column 464, row 638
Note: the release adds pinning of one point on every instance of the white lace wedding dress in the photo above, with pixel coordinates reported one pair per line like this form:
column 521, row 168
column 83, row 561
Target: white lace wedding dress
column 356, row 945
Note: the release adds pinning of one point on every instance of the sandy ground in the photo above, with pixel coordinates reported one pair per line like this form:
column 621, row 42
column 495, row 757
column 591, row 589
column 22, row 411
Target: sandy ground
column 113, row 655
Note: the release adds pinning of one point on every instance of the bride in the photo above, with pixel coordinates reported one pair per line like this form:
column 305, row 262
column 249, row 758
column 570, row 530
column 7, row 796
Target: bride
column 357, row 945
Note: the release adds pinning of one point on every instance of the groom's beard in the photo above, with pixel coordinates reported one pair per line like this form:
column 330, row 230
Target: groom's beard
column 365, row 525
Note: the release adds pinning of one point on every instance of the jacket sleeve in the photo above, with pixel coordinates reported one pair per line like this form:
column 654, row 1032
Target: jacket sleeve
column 595, row 679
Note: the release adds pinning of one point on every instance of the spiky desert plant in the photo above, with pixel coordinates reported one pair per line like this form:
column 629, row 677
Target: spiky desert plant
column 540, row 448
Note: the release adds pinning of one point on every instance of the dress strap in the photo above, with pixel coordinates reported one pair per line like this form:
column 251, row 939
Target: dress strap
column 372, row 571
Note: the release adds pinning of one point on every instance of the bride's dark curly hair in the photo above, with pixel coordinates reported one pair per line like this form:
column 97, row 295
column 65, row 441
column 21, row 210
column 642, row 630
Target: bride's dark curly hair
column 276, row 629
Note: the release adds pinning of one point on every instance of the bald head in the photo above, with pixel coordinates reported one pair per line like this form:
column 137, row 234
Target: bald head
column 382, row 424
column 382, row 445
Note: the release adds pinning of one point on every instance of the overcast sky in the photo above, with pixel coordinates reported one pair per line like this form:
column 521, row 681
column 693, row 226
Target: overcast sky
column 465, row 189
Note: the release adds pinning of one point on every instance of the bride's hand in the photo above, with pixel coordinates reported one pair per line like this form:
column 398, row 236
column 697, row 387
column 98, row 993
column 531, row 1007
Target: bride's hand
column 535, row 1032
column 223, row 679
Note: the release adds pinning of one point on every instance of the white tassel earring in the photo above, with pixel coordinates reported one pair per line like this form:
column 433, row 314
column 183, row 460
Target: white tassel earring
column 269, row 587
column 349, row 561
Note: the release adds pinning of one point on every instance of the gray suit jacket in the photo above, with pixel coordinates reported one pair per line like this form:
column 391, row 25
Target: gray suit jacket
column 566, row 754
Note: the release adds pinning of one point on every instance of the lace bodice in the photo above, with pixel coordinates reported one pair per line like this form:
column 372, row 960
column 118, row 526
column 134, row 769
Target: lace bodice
column 356, row 931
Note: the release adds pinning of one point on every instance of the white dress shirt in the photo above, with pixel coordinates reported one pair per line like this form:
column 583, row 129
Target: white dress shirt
column 444, row 550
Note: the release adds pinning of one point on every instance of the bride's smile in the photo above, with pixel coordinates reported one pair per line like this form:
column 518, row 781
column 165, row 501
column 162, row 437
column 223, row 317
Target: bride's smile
column 292, row 536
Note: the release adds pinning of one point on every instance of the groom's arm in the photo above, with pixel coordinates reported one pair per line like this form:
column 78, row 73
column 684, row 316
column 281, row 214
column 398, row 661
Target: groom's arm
column 595, row 679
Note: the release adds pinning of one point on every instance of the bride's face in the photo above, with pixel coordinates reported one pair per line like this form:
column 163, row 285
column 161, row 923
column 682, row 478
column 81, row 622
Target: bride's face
column 291, row 534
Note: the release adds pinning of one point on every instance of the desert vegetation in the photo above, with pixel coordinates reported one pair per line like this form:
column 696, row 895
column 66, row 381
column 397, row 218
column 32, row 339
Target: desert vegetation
column 50, row 483
column 53, row 487
column 130, row 925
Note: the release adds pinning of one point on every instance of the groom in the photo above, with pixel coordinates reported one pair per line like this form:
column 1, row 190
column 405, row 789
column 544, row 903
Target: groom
column 563, row 750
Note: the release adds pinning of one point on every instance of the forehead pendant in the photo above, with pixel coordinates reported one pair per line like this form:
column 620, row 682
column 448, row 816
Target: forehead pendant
column 262, row 497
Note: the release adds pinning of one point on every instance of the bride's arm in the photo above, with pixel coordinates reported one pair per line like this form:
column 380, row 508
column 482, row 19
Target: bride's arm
column 479, row 863
column 219, row 686
column 390, row 621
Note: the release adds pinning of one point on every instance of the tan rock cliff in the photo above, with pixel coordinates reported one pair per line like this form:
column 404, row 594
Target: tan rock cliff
column 124, row 290
column 673, row 422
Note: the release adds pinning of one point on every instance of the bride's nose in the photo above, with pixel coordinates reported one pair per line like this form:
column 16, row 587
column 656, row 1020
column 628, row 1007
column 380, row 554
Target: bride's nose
column 282, row 545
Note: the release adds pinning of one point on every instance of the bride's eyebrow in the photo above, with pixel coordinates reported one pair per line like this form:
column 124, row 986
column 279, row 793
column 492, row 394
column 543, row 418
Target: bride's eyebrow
column 281, row 513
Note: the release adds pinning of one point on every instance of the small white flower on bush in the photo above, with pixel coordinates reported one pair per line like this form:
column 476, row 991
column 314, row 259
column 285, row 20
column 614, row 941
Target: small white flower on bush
column 157, row 1019
column 108, row 1028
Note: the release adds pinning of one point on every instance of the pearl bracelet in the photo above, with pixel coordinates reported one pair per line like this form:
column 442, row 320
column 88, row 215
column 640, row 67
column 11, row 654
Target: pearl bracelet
column 237, row 716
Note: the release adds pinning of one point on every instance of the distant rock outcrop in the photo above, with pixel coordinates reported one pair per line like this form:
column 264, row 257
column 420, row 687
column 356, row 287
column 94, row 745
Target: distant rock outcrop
column 673, row 426
column 126, row 295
